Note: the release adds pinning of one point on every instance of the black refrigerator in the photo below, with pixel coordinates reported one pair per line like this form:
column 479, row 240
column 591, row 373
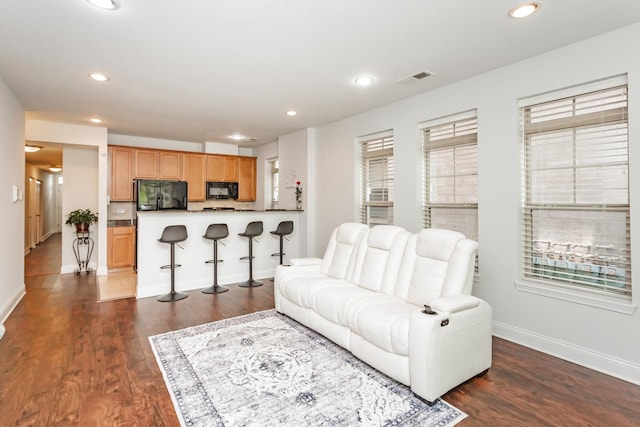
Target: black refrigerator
column 156, row 195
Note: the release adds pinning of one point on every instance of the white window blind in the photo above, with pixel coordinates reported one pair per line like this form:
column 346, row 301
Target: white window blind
column 273, row 180
column 450, row 153
column 575, row 202
column 376, row 199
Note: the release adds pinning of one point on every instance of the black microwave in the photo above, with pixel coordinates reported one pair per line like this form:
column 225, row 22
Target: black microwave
column 222, row 190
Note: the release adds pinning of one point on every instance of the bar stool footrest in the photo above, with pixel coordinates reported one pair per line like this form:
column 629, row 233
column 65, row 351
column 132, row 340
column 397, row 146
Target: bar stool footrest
column 168, row 266
column 245, row 258
column 212, row 261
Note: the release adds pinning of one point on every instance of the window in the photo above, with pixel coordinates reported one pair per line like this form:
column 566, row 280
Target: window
column 575, row 198
column 450, row 152
column 376, row 200
column 273, row 182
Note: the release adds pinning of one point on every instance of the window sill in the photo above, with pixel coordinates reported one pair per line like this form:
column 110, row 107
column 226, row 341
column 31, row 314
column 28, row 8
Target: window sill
column 577, row 296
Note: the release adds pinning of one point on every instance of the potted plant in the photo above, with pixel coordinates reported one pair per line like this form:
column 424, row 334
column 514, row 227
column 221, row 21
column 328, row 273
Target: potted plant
column 82, row 219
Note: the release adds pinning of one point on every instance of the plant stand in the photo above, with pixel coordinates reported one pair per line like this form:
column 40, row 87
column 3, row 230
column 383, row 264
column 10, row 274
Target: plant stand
column 82, row 249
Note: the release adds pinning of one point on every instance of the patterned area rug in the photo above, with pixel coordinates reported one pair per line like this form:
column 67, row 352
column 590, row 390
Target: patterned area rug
column 264, row 369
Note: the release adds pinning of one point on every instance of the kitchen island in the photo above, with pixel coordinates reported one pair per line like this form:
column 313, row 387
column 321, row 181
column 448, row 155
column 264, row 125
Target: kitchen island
column 192, row 253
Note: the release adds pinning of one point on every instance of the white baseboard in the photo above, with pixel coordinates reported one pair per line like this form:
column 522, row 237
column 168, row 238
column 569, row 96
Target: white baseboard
column 11, row 303
column 619, row 368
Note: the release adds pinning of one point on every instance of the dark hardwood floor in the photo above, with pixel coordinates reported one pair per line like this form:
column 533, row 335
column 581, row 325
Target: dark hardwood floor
column 68, row 360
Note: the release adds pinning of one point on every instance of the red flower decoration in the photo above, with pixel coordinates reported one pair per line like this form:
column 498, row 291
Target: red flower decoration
column 297, row 182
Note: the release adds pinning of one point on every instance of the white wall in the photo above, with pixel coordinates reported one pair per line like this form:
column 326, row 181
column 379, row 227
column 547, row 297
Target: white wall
column 220, row 148
column 603, row 339
column 80, row 184
column 12, row 224
column 161, row 144
column 294, row 155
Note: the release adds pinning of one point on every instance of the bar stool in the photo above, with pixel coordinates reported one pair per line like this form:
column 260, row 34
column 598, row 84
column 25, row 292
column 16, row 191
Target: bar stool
column 215, row 232
column 284, row 229
column 173, row 234
column 253, row 229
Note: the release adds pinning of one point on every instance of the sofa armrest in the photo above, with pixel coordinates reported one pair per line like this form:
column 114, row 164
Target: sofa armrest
column 305, row 261
column 454, row 303
column 448, row 348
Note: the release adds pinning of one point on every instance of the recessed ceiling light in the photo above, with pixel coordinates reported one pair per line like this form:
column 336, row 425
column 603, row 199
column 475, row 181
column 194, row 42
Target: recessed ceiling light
column 99, row 77
column 104, row 4
column 238, row 137
column 291, row 113
column 524, row 10
column 31, row 148
column 364, row 81
column 95, row 120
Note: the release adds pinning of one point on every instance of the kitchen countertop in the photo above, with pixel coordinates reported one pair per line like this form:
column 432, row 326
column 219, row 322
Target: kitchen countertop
column 120, row 222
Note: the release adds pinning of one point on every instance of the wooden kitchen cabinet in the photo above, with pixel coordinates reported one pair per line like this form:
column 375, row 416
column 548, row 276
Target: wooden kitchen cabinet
column 120, row 174
column 230, row 169
column 246, row 179
column 170, row 165
column 120, row 246
column 222, row 168
column 193, row 171
column 215, row 167
column 145, row 164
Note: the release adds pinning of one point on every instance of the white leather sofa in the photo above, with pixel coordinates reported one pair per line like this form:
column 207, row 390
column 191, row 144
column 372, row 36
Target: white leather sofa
column 368, row 292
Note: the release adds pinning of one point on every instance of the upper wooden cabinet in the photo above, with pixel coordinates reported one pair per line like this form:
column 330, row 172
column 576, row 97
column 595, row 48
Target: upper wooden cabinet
column 170, row 165
column 157, row 164
column 120, row 179
column 129, row 163
column 193, row 171
column 230, row 169
column 246, row 179
column 145, row 164
column 222, row 168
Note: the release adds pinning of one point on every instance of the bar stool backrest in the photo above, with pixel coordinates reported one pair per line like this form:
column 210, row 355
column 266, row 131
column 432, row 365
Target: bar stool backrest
column 253, row 229
column 284, row 228
column 216, row 231
column 173, row 234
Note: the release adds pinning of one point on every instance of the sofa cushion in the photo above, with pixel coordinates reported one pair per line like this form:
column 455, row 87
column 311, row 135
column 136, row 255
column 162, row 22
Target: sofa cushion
column 339, row 257
column 343, row 304
column 302, row 290
column 387, row 326
column 436, row 263
column 379, row 255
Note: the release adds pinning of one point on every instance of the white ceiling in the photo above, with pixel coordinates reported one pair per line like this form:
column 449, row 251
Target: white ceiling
column 201, row 70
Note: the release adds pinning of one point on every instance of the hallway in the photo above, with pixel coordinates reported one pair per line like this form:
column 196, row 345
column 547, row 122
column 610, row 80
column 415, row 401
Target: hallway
column 45, row 258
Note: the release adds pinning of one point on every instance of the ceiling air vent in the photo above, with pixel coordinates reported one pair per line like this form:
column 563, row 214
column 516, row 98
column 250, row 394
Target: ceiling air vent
column 417, row 76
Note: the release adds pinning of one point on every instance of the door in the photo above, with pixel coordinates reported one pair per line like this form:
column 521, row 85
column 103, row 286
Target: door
column 38, row 211
column 31, row 213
